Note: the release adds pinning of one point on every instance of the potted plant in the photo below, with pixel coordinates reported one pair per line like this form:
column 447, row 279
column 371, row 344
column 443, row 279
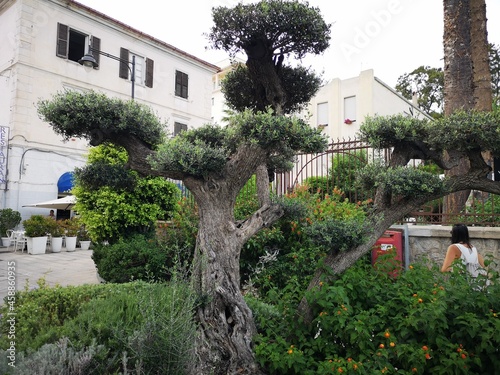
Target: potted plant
column 84, row 238
column 36, row 229
column 71, row 228
column 56, row 231
column 9, row 219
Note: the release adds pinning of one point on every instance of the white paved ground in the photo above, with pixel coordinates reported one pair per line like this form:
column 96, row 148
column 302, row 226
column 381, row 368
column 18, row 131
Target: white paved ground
column 63, row 268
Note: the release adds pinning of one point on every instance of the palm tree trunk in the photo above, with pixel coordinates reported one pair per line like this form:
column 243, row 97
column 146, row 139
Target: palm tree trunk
column 458, row 81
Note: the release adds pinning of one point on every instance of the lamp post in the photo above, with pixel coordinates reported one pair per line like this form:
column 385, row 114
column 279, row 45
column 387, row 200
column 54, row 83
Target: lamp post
column 88, row 61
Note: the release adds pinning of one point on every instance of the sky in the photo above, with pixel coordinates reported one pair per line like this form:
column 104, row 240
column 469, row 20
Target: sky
column 392, row 37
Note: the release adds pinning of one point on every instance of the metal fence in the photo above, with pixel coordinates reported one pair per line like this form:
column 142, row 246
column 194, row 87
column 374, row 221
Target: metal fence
column 336, row 167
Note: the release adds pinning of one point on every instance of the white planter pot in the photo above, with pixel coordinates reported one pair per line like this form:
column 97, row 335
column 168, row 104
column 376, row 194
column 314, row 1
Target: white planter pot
column 85, row 245
column 37, row 245
column 6, row 241
column 70, row 243
column 56, row 244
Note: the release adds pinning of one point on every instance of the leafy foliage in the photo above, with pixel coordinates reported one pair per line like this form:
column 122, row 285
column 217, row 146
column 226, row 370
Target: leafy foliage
column 152, row 257
column 206, row 150
column 288, row 253
column 401, row 182
column 422, row 322
column 196, row 152
column 94, row 176
column 466, row 131
column 133, row 328
column 342, row 176
column 385, row 131
column 462, row 131
column 114, row 202
column 300, row 85
column 138, row 257
column 37, row 226
column 110, row 215
column 428, row 84
column 77, row 114
column 287, row 27
column 9, row 219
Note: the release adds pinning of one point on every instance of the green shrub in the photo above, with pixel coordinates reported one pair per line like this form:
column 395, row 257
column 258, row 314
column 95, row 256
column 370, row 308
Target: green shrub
column 139, row 257
column 247, row 201
column 286, row 255
column 9, row 219
column 59, row 358
column 135, row 328
column 41, row 312
column 153, row 324
column 151, row 256
column 422, row 322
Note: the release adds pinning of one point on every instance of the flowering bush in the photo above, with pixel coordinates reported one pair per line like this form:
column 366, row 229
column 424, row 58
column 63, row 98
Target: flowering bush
column 423, row 322
column 285, row 256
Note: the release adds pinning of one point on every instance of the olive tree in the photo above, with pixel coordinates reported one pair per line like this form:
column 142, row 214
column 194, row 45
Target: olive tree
column 401, row 189
column 215, row 163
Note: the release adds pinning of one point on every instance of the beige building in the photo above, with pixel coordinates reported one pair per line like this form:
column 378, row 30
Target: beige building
column 41, row 42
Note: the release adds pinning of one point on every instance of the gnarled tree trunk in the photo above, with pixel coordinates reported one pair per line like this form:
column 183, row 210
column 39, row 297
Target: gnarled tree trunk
column 226, row 325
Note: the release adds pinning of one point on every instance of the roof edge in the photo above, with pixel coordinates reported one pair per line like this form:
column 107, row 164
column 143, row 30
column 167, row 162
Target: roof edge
column 139, row 33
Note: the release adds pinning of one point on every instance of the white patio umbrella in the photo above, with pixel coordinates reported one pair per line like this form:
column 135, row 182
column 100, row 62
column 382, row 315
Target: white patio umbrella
column 65, row 203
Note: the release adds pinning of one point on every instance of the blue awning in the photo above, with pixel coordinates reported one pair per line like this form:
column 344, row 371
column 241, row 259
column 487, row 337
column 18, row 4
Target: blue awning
column 65, row 182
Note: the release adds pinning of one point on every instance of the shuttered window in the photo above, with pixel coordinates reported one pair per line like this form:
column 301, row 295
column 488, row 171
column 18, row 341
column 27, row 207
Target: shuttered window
column 72, row 44
column 179, row 127
column 124, row 67
column 62, row 40
column 149, row 72
column 144, row 68
column 181, row 84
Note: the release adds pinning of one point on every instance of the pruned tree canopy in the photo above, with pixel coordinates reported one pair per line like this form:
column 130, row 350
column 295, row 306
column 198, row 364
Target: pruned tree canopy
column 268, row 32
column 241, row 92
column 270, row 28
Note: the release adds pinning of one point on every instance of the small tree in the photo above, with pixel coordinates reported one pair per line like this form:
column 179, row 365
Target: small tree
column 9, row 219
column 126, row 204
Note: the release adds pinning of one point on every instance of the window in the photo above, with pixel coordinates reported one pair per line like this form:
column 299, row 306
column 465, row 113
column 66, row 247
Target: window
column 179, row 127
column 144, row 68
column 349, row 109
column 73, row 44
column 322, row 112
column 181, row 84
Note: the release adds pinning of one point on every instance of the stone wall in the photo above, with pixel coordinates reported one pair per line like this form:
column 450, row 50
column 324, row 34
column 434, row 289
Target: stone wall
column 430, row 242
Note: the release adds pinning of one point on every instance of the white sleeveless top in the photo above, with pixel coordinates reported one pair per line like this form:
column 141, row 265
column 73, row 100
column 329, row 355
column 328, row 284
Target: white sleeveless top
column 471, row 260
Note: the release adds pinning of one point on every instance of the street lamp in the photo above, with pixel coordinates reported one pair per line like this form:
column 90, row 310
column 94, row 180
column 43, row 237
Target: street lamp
column 88, row 61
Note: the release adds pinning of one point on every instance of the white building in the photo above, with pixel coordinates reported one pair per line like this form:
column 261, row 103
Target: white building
column 341, row 105
column 219, row 105
column 41, row 42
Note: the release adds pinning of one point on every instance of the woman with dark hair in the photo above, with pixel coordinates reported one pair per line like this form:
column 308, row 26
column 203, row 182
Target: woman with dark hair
column 461, row 248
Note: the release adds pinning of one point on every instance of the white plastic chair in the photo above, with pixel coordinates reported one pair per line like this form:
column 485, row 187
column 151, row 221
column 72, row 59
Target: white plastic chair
column 10, row 236
column 20, row 241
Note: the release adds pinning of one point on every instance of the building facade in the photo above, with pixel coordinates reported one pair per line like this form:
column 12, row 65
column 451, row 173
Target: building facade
column 341, row 105
column 41, row 42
